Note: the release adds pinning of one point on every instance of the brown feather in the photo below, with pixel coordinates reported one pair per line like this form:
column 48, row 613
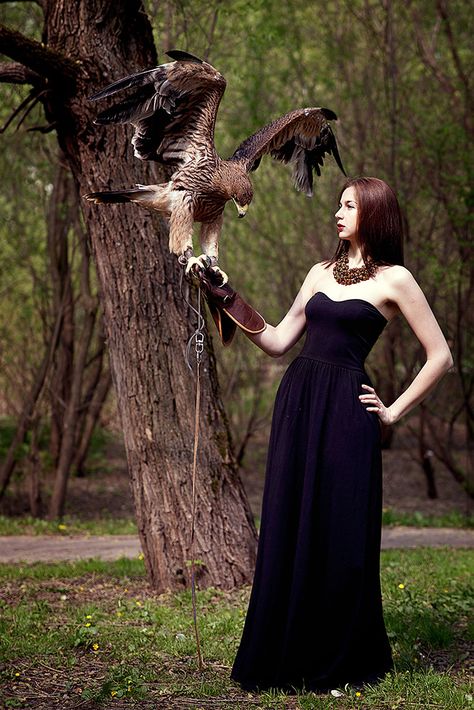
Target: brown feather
column 173, row 108
column 301, row 137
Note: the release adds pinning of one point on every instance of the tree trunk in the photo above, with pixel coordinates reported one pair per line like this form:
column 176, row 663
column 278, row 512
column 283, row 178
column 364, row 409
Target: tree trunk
column 71, row 414
column 425, row 455
column 24, row 420
column 90, row 419
column 146, row 320
column 33, row 464
column 60, row 216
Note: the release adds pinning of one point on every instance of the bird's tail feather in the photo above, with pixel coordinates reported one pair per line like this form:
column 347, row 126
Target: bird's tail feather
column 141, row 78
column 142, row 194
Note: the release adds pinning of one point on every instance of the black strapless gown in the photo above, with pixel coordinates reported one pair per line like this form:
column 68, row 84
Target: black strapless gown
column 315, row 618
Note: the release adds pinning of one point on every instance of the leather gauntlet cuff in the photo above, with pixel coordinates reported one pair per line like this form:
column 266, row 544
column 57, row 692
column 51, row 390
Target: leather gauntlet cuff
column 228, row 308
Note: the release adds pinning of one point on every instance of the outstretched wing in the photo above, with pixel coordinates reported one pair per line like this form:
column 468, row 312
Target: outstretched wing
column 302, row 137
column 173, row 109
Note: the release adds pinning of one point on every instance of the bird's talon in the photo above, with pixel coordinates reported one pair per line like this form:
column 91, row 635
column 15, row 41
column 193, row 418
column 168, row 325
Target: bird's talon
column 221, row 273
column 197, row 263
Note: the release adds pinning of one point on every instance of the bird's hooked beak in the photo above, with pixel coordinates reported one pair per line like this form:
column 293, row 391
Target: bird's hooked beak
column 241, row 209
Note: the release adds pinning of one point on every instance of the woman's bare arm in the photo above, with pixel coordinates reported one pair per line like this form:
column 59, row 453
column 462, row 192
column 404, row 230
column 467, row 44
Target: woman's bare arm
column 411, row 301
column 276, row 340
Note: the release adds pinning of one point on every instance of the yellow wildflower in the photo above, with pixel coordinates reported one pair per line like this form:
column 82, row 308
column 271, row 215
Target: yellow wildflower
column 401, row 586
column 95, row 646
column 358, row 694
column 17, row 674
column 61, row 526
column 138, row 603
column 113, row 692
column 88, row 616
column 141, row 556
column 88, row 623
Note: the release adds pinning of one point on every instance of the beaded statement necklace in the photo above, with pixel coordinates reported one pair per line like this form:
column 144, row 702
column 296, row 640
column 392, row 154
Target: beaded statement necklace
column 346, row 276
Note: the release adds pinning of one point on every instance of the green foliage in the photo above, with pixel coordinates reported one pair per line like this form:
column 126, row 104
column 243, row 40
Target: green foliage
column 390, row 72
column 395, row 73
column 96, row 462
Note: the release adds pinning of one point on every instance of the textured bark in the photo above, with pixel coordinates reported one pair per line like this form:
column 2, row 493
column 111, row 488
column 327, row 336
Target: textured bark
column 146, row 320
column 55, row 66
column 14, row 73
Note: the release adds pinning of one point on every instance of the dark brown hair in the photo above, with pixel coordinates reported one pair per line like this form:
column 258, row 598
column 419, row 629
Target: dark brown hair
column 380, row 226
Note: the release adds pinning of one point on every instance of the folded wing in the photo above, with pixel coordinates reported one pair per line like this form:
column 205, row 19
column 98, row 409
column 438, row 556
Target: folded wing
column 302, row 137
column 173, row 108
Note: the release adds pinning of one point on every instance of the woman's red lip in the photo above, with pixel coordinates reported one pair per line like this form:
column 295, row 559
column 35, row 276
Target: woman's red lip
column 340, row 226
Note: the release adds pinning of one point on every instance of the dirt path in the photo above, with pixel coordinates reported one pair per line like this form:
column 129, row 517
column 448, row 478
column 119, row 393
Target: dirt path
column 51, row 548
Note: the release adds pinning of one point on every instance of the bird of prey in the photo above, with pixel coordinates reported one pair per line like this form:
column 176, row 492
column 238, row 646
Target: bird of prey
column 173, row 108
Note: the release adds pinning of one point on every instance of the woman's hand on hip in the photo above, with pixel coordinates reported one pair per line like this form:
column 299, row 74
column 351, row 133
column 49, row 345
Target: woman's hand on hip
column 371, row 398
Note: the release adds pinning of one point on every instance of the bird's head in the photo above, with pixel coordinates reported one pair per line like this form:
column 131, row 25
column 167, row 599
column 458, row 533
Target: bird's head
column 242, row 194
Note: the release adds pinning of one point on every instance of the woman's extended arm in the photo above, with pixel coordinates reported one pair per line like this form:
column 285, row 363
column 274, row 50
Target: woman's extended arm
column 412, row 303
column 276, row 340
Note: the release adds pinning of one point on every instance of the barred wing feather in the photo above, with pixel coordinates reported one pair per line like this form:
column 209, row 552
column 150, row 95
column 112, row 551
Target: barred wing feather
column 302, row 137
column 173, row 108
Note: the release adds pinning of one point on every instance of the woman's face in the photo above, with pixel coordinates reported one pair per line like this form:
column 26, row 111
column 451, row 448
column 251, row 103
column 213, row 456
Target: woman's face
column 346, row 216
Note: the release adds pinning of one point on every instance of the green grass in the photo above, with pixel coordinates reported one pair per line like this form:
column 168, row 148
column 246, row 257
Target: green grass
column 69, row 525
column 416, row 519
column 121, row 569
column 454, row 519
column 95, row 631
column 26, row 525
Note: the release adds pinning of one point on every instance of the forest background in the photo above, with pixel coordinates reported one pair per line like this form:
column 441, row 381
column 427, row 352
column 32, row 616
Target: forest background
column 397, row 75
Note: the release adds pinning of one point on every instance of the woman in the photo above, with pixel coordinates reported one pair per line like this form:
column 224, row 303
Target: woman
column 315, row 617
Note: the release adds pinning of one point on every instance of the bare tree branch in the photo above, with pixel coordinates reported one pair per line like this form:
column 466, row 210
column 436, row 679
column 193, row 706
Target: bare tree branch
column 32, row 96
column 443, row 11
column 47, row 128
column 33, row 103
column 36, row 56
column 15, row 73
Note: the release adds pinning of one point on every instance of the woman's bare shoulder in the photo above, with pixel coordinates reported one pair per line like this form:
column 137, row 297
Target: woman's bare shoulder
column 396, row 276
column 395, row 272
column 315, row 272
column 401, row 287
column 319, row 267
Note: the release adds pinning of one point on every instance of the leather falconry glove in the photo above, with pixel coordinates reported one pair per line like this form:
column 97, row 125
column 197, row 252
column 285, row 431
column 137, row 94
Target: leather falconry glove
column 228, row 308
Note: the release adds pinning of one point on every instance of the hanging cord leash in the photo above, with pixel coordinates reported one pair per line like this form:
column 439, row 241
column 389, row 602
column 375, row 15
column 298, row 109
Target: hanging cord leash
column 198, row 337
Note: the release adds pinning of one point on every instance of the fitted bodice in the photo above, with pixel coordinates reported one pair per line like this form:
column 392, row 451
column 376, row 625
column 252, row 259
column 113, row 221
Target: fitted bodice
column 341, row 332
